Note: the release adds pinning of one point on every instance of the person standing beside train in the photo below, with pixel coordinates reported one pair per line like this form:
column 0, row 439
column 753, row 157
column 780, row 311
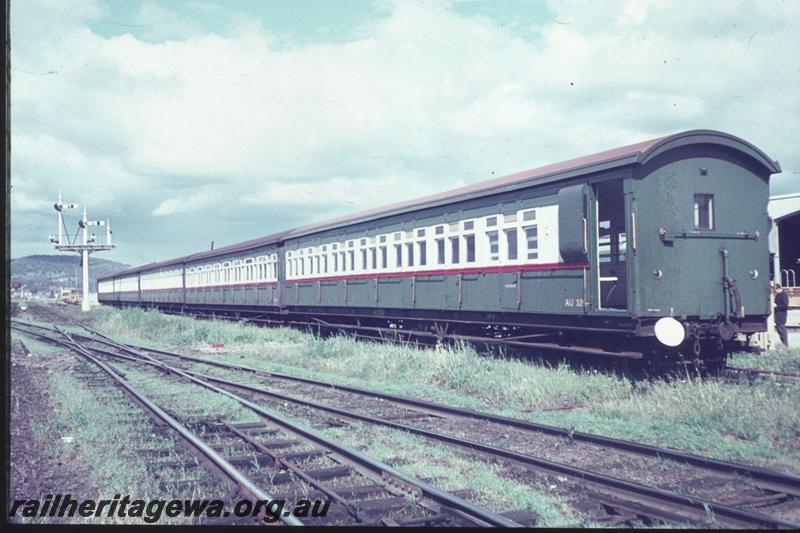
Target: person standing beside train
column 781, row 309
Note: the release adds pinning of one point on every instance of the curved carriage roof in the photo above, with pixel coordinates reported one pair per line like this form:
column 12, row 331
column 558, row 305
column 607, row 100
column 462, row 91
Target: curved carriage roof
column 638, row 153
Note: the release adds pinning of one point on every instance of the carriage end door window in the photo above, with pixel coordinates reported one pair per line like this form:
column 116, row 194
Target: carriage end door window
column 704, row 211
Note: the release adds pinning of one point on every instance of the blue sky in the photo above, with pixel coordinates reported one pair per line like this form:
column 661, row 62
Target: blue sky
column 193, row 121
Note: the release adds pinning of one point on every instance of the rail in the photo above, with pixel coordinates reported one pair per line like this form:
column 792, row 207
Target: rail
column 472, row 513
column 786, row 482
column 199, row 446
column 662, row 504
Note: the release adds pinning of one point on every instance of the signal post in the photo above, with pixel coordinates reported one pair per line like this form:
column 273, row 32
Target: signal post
column 63, row 242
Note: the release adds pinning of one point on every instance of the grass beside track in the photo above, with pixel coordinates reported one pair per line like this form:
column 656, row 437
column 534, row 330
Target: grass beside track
column 756, row 422
column 83, row 440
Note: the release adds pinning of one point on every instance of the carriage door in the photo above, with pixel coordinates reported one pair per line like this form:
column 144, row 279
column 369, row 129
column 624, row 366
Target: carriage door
column 577, row 241
column 611, row 244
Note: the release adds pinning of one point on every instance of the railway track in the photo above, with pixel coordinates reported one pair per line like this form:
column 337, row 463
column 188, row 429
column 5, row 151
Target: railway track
column 256, row 459
column 491, row 340
column 622, row 497
column 760, row 372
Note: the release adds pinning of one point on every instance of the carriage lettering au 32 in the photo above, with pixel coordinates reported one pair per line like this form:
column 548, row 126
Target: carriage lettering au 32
column 653, row 252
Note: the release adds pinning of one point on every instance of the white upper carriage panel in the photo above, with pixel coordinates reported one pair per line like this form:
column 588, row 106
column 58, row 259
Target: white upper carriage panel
column 526, row 239
column 162, row 280
column 126, row 284
column 105, row 286
column 235, row 272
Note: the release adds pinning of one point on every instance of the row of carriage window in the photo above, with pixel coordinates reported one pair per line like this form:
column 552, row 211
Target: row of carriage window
column 251, row 269
column 511, row 238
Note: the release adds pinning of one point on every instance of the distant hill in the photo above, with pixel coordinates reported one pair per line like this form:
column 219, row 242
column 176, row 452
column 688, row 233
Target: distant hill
column 46, row 273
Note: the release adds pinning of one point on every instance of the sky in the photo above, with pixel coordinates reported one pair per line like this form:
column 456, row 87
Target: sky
column 191, row 121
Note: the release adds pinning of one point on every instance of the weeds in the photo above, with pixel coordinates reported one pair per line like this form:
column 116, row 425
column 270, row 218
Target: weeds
column 754, row 422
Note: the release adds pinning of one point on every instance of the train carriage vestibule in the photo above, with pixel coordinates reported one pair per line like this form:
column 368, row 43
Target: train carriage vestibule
column 611, row 244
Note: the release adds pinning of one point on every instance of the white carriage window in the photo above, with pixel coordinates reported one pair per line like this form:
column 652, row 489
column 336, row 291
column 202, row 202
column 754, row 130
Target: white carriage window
column 363, row 242
column 319, row 270
column 469, row 245
column 351, row 264
column 532, row 242
column 422, row 253
column 468, row 225
column 384, row 256
column 703, row 211
column 454, row 250
column 343, row 257
column 350, row 244
column 511, row 243
column 383, row 238
column 439, row 230
column 335, row 262
column 374, row 258
column 324, row 264
column 398, row 236
column 440, row 251
column 398, row 252
column 363, row 259
column 529, row 215
column 410, row 254
column 494, row 245
column 421, row 232
column 491, row 222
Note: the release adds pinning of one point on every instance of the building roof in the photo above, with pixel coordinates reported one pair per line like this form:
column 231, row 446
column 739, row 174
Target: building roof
column 784, row 205
column 638, row 153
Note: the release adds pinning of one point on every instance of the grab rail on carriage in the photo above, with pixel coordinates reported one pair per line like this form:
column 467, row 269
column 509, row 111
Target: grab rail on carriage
column 788, row 277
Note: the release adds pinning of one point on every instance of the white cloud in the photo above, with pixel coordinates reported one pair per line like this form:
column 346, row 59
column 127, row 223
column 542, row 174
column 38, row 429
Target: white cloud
column 336, row 192
column 186, row 203
column 21, row 202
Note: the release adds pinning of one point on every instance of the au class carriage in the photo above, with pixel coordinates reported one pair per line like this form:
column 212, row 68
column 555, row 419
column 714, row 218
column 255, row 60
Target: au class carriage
column 655, row 252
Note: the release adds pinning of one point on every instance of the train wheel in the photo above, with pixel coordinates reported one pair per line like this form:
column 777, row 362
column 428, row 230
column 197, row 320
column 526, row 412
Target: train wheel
column 663, row 362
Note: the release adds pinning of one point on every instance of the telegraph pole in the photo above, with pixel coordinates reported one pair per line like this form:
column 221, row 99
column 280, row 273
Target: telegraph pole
column 85, row 247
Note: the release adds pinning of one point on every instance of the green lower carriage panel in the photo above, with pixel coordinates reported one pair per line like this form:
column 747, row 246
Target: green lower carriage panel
column 555, row 291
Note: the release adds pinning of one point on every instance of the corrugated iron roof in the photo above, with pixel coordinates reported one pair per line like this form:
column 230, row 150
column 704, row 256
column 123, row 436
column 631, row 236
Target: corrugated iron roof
column 617, row 157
